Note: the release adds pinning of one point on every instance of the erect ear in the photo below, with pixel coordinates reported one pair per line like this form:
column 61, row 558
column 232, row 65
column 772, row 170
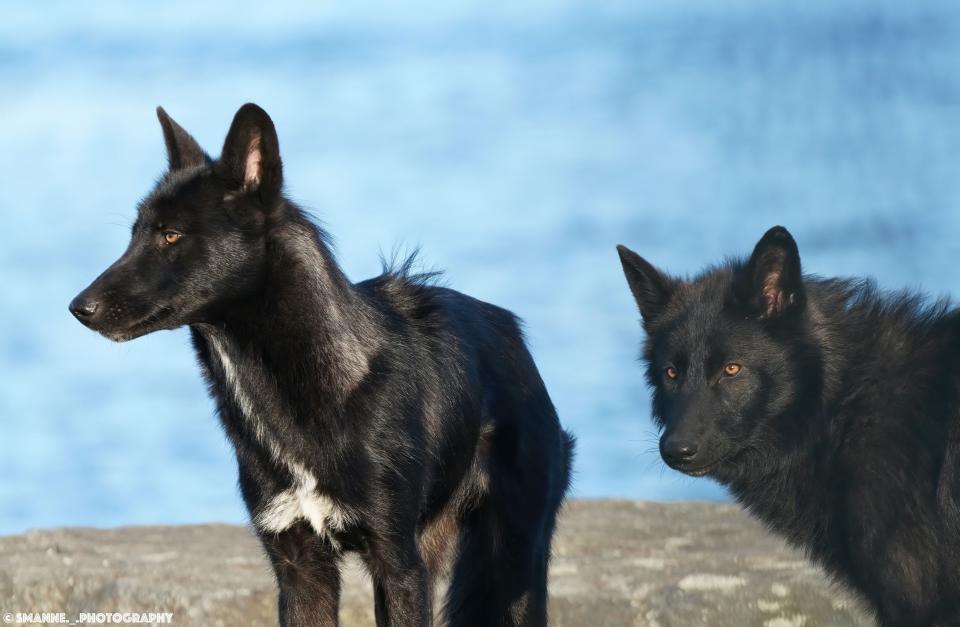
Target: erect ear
column 773, row 283
column 251, row 153
column 650, row 287
column 183, row 151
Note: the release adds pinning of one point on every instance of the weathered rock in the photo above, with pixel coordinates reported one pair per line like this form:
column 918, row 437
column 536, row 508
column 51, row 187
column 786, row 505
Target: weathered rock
column 615, row 563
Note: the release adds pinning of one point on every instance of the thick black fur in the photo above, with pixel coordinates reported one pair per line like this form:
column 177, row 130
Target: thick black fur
column 392, row 417
column 828, row 408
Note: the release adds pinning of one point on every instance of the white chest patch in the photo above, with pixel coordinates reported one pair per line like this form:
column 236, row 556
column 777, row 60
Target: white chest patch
column 302, row 501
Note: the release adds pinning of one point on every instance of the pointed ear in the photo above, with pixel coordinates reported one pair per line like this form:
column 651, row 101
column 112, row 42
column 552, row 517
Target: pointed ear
column 183, row 151
column 773, row 283
column 251, row 154
column 651, row 288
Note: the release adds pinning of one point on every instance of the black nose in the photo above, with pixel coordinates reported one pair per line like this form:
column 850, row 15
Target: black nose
column 678, row 452
column 83, row 308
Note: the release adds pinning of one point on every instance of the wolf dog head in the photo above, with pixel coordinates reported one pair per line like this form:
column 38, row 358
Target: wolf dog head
column 727, row 354
column 198, row 243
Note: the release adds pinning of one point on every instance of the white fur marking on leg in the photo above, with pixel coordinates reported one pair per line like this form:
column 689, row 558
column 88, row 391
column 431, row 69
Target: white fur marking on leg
column 303, row 502
column 282, row 512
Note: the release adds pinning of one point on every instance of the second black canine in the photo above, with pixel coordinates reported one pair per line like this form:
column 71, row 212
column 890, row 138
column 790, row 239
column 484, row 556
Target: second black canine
column 830, row 409
column 394, row 418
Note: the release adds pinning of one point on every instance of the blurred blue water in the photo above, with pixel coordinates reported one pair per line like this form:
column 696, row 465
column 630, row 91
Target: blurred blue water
column 515, row 147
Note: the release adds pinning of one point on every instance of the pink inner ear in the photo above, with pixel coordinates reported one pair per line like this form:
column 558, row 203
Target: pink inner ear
column 773, row 296
column 251, row 174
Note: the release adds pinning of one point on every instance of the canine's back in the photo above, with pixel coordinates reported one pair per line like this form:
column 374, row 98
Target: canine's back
column 478, row 349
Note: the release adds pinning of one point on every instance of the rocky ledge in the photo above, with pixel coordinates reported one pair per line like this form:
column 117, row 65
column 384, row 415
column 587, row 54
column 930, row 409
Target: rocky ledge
column 615, row 563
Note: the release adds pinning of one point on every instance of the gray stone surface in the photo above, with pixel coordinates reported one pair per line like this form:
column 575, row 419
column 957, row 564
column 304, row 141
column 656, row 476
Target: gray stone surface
column 616, row 563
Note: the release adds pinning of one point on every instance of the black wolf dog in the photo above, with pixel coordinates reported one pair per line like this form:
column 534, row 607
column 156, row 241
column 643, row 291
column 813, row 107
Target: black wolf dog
column 394, row 418
column 829, row 409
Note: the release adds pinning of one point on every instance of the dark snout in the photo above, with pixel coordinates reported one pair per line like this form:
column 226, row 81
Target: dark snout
column 118, row 304
column 685, row 449
column 678, row 452
column 91, row 308
column 107, row 310
column 85, row 308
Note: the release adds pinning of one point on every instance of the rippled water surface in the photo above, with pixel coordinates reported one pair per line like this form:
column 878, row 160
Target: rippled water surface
column 514, row 148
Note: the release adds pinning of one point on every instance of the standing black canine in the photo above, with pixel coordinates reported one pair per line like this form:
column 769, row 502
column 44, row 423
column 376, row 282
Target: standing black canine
column 397, row 419
column 829, row 409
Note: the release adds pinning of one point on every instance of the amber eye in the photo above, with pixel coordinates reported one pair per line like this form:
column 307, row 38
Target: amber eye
column 171, row 237
column 732, row 369
column 671, row 372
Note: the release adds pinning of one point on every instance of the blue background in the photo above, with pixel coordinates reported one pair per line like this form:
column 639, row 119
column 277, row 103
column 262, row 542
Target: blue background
column 515, row 145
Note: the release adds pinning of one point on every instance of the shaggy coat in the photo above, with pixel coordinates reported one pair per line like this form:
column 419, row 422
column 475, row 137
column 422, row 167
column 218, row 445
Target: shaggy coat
column 829, row 409
column 394, row 418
